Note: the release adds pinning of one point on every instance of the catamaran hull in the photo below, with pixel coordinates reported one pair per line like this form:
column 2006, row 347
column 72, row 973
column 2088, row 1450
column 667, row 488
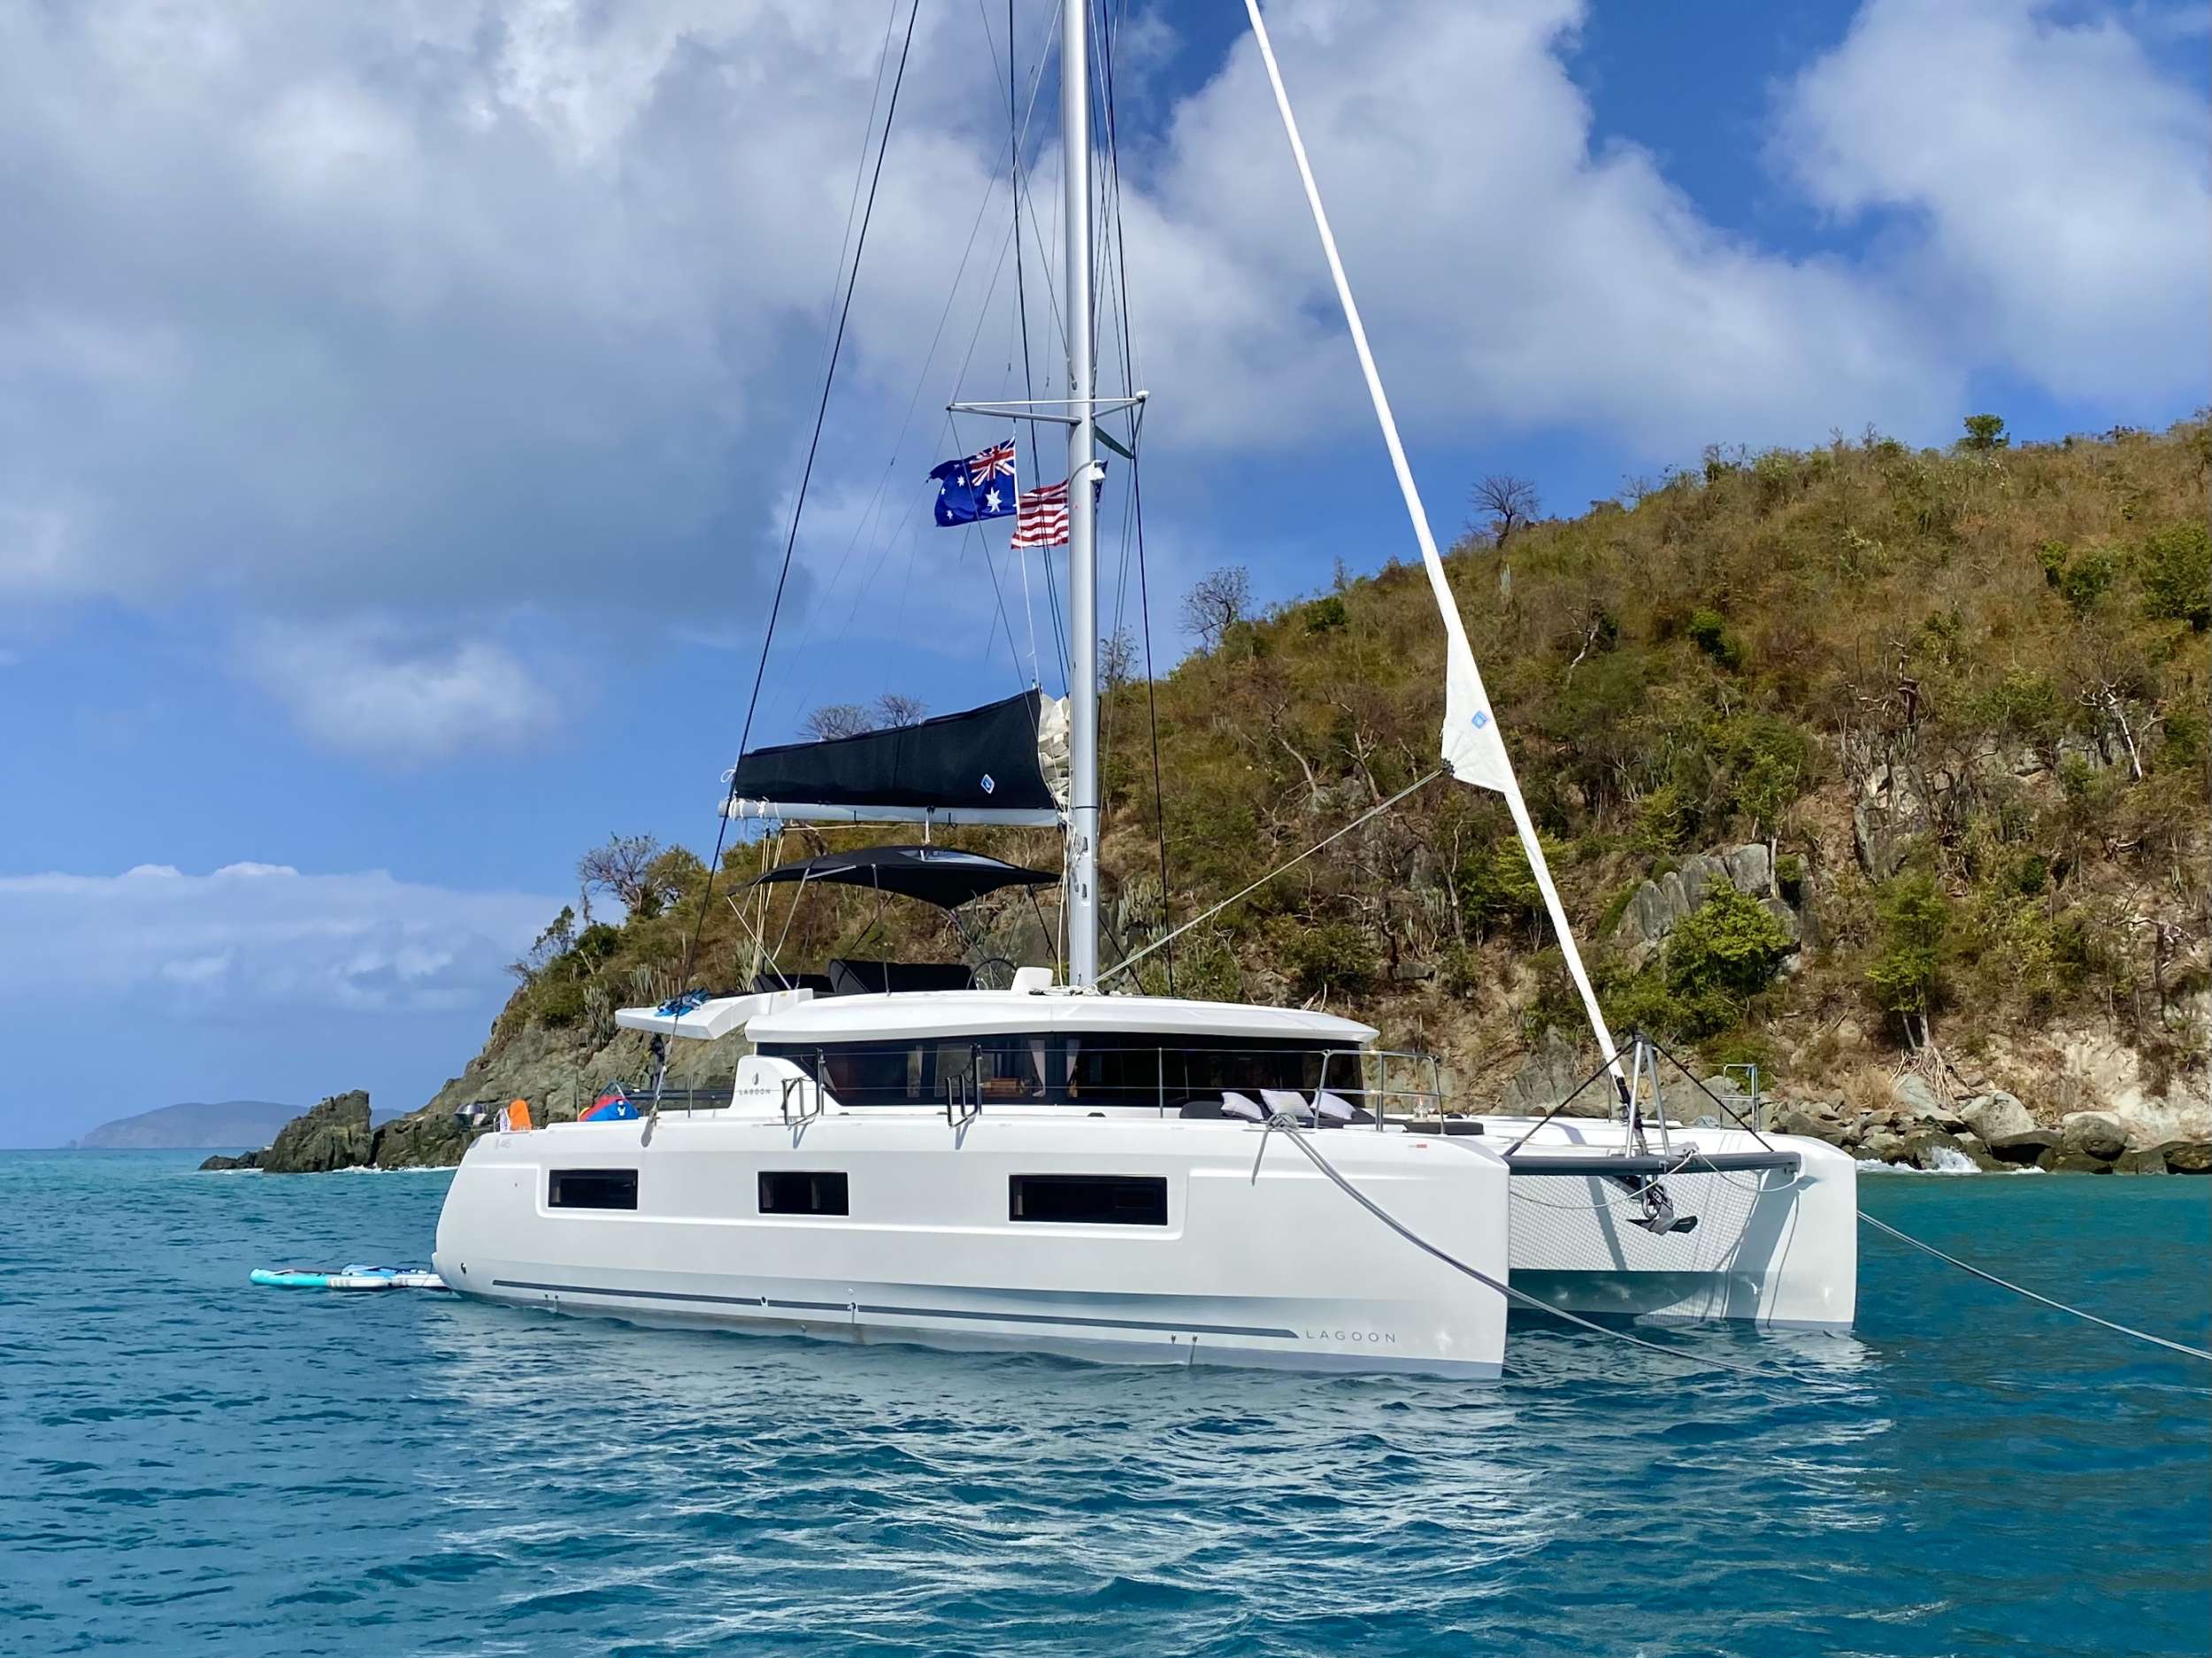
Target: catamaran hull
column 1776, row 1247
column 1272, row 1268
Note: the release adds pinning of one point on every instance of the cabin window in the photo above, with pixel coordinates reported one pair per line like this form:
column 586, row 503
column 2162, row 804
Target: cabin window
column 591, row 1188
column 1087, row 1070
column 1089, row 1200
column 804, row 1192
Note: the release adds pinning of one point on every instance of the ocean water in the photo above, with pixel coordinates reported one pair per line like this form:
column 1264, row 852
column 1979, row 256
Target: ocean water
column 188, row 1464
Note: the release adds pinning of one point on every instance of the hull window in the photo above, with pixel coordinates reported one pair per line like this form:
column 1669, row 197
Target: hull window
column 1089, row 1200
column 591, row 1188
column 799, row 1192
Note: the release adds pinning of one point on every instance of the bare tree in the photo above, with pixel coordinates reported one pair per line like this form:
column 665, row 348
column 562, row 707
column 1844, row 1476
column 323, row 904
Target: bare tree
column 895, row 709
column 839, row 719
column 619, row 867
column 1510, row 502
column 1116, row 659
column 1221, row 600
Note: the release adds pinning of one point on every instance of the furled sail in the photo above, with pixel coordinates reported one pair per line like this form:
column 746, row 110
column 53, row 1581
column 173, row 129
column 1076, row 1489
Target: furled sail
column 1005, row 762
column 1473, row 749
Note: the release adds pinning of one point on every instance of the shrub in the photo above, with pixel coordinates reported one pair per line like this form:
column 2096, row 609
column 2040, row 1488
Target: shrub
column 1709, row 632
column 1663, row 826
column 1325, row 614
column 1789, row 876
column 1728, row 947
column 2086, row 579
column 1984, row 431
column 2176, row 565
column 1494, row 886
column 1717, row 958
column 1907, row 973
column 1335, row 955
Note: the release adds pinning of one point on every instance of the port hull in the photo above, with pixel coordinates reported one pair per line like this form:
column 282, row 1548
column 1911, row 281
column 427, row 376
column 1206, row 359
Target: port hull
column 1257, row 1260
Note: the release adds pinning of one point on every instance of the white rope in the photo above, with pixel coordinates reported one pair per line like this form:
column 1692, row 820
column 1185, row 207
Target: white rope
column 1965, row 1266
column 1298, row 1139
column 1128, row 962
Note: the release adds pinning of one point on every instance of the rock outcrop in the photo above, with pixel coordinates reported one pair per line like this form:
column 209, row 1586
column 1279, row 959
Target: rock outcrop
column 334, row 1133
column 1663, row 903
column 1550, row 1075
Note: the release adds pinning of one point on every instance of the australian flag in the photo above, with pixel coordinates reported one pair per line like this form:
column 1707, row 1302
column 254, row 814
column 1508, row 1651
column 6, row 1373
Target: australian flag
column 981, row 487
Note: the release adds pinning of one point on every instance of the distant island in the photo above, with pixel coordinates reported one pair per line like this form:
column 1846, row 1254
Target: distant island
column 194, row 1126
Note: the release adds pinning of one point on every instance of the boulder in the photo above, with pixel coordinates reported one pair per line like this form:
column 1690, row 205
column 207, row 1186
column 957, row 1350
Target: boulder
column 244, row 1160
column 1751, row 870
column 2076, row 1162
column 1924, row 1149
column 2188, row 1156
column 1914, row 1095
column 1985, row 1160
column 2028, row 1147
column 1882, row 1145
column 333, row 1135
column 1891, row 812
column 420, row 1141
column 2096, row 1134
column 1996, row 1115
column 1812, row 1122
column 1550, row 1075
column 1662, row 903
column 2151, row 1162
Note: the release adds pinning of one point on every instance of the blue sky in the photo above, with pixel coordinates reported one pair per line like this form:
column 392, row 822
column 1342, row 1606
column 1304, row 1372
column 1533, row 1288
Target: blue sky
column 399, row 412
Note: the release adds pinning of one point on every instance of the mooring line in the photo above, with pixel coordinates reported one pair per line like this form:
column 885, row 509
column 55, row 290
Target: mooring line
column 1764, row 1372
column 1968, row 1266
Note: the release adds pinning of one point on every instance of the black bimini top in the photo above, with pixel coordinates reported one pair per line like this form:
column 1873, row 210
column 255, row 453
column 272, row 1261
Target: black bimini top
column 942, row 876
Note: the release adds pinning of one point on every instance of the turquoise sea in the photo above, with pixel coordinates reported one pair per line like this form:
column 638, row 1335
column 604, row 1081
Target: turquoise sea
column 187, row 1463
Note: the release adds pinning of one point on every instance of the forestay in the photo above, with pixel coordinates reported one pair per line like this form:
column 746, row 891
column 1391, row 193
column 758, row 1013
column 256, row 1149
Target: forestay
column 1473, row 749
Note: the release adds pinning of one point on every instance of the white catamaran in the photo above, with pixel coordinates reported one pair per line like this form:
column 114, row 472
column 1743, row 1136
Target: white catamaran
column 907, row 1156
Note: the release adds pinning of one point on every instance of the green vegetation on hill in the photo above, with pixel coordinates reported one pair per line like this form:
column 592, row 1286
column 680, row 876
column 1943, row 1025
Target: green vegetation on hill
column 1960, row 696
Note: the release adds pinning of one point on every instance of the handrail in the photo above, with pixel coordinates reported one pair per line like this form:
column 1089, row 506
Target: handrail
column 1164, row 1084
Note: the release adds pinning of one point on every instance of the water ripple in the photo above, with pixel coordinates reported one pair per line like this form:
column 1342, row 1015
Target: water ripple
column 185, row 1460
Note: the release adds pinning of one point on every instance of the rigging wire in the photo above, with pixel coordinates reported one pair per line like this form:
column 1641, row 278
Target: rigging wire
column 1245, row 892
column 798, row 506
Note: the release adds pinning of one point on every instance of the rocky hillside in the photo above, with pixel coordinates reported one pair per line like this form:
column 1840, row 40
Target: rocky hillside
column 1883, row 769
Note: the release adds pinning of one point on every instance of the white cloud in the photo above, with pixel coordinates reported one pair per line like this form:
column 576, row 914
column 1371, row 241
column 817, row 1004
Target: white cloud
column 1513, row 276
column 252, row 940
column 405, row 311
column 370, row 688
column 2059, row 188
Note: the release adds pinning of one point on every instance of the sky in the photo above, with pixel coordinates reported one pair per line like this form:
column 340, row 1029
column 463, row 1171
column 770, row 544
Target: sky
column 402, row 408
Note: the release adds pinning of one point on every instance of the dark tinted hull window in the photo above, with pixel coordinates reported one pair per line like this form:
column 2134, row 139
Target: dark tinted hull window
column 801, row 1191
column 1089, row 1200
column 591, row 1188
column 1106, row 1069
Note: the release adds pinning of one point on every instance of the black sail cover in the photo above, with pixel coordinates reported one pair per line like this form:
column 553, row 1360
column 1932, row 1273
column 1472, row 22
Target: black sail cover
column 985, row 757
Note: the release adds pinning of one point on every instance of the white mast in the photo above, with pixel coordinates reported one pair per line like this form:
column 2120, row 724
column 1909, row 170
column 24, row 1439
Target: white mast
column 1075, row 143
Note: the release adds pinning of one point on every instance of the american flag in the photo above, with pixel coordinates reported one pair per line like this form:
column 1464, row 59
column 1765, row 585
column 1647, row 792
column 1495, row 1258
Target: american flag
column 1042, row 517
